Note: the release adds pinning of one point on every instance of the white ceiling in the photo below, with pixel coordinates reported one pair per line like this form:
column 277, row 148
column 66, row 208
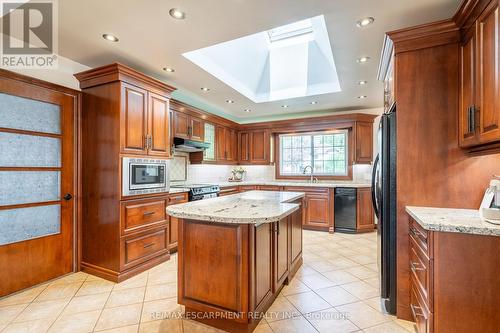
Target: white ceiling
column 150, row 40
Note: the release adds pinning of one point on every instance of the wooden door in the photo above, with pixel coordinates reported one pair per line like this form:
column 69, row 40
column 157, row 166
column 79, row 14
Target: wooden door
column 317, row 210
column 181, row 125
column 134, row 120
column 244, row 147
column 263, row 266
column 158, row 126
column 281, row 256
column 37, row 174
column 296, row 235
column 467, row 131
column 196, row 129
column 220, row 138
column 259, row 147
column 364, row 142
column 231, row 142
column 173, row 224
column 365, row 216
column 489, row 73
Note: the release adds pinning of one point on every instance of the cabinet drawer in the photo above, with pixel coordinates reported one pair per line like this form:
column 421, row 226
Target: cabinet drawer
column 177, row 198
column 421, row 237
column 244, row 188
column 228, row 190
column 307, row 189
column 270, row 188
column 420, row 312
column 142, row 214
column 421, row 271
column 144, row 247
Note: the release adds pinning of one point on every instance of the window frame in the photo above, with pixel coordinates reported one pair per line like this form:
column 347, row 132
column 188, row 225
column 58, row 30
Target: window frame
column 349, row 153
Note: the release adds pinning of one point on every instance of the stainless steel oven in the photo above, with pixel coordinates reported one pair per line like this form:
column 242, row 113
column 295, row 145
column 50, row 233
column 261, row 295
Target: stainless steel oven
column 144, row 176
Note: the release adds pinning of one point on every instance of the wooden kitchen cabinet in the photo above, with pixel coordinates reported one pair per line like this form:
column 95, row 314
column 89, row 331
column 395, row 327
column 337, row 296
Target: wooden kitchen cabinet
column 188, row 127
column 270, row 188
column 255, row 147
column 245, row 188
column 479, row 111
column 226, row 145
column 363, row 152
column 145, row 122
column 318, row 207
column 365, row 216
column 173, row 224
column 228, row 190
column 281, row 246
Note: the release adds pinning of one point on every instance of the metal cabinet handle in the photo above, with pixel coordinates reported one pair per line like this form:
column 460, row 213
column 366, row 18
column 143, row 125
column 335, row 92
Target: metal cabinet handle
column 148, row 213
column 416, row 266
column 146, row 141
column 148, row 245
column 417, row 311
column 150, row 142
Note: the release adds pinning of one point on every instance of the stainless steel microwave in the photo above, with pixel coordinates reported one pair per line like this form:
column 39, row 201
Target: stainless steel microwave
column 144, row 176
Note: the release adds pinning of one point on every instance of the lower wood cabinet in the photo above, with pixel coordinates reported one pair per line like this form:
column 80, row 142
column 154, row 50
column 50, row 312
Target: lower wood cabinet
column 318, row 207
column 173, row 224
column 453, row 281
column 244, row 188
column 270, row 188
column 227, row 190
column 365, row 215
column 236, row 270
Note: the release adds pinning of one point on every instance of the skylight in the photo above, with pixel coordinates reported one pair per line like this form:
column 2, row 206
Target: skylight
column 293, row 60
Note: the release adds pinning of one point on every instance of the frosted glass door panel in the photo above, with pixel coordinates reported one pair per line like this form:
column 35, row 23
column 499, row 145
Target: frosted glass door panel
column 22, row 224
column 19, row 150
column 29, row 114
column 21, row 187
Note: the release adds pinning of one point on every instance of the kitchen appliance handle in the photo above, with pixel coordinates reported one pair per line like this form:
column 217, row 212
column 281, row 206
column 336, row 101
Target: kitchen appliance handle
column 374, row 194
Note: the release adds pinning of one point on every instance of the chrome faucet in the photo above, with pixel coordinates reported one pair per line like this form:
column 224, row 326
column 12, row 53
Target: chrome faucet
column 313, row 179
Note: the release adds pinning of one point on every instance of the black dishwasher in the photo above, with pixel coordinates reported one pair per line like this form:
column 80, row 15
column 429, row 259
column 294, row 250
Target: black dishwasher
column 345, row 209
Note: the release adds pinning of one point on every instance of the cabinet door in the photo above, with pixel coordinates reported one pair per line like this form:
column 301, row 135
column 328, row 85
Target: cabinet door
column 259, row 147
column 231, row 145
column 296, row 235
column 244, row 147
column 181, row 125
column 133, row 120
column 281, row 263
column 173, row 223
column 364, row 142
column 365, row 219
column 488, row 46
column 467, row 136
column 263, row 264
column 196, row 129
column 317, row 210
column 220, row 139
column 158, row 126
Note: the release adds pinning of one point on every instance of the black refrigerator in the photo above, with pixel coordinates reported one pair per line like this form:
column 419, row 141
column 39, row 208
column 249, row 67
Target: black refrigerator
column 384, row 204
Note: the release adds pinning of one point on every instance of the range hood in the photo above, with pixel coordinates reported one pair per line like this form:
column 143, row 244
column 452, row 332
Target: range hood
column 190, row 146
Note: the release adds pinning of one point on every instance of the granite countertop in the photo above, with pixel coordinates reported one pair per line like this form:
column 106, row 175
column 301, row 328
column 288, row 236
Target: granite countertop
column 292, row 183
column 466, row 221
column 252, row 207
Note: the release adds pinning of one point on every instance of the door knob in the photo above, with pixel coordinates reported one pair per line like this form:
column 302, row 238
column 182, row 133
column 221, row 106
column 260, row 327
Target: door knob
column 68, row 197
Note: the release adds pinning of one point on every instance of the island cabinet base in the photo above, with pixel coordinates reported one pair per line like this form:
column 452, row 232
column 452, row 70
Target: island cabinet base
column 230, row 273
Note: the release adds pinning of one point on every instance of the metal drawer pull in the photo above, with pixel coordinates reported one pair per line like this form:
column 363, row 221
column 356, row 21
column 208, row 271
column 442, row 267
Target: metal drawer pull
column 416, row 267
column 149, row 245
column 417, row 233
column 148, row 213
column 417, row 311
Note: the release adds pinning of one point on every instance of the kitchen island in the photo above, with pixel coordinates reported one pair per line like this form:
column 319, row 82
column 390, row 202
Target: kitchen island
column 235, row 253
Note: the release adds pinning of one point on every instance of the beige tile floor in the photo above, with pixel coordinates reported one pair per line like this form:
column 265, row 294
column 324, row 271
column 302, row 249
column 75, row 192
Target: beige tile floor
column 336, row 290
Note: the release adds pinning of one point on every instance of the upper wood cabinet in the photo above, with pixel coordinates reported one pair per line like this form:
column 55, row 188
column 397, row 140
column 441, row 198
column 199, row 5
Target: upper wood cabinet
column 255, row 147
column 188, row 127
column 479, row 113
column 226, row 144
column 363, row 152
column 158, row 125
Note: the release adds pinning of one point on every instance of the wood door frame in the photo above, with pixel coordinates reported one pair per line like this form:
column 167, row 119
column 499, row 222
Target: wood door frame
column 77, row 161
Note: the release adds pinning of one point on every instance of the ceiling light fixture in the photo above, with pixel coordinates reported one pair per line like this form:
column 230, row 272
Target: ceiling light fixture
column 229, row 101
column 362, row 97
column 362, row 82
column 362, row 60
column 168, row 69
column 205, row 89
column 284, row 106
column 110, row 38
column 247, row 110
column 177, row 14
column 364, row 22
column 314, row 103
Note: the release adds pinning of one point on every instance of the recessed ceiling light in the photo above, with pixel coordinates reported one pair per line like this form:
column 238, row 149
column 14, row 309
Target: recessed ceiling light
column 229, row 101
column 205, row 89
column 177, row 14
column 314, row 102
column 168, row 69
column 362, row 82
column 362, row 97
column 364, row 22
column 362, row 60
column 284, row 106
column 247, row 110
column 110, row 37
